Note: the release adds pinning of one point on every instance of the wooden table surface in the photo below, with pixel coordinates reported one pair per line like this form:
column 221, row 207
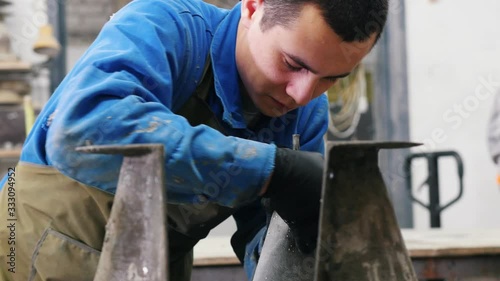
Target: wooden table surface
column 438, row 243
column 216, row 251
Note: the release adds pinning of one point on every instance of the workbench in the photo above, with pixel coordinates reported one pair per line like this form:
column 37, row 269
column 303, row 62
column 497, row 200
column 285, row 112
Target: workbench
column 437, row 255
column 468, row 255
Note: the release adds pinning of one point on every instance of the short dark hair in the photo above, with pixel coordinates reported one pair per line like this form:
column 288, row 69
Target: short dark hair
column 352, row 20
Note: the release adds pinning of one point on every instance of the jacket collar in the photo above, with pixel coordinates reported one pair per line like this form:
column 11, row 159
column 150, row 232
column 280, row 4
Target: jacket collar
column 226, row 75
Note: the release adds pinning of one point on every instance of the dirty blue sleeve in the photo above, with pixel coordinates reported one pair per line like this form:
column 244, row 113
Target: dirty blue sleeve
column 143, row 65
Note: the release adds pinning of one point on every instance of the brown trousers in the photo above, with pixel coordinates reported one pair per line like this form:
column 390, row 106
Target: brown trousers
column 57, row 229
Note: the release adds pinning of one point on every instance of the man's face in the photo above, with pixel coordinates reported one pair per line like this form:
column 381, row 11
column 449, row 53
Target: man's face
column 286, row 67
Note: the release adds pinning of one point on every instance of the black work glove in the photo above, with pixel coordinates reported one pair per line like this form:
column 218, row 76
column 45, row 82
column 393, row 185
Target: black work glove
column 295, row 192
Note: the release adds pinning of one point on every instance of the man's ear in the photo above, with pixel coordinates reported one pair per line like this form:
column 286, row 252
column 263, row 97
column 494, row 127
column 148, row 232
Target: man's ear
column 248, row 9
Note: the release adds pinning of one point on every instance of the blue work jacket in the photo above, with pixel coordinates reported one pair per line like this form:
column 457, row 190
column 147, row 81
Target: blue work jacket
column 126, row 88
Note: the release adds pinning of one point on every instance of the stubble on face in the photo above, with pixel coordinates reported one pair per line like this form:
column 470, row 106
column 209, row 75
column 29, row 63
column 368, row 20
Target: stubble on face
column 259, row 58
column 263, row 82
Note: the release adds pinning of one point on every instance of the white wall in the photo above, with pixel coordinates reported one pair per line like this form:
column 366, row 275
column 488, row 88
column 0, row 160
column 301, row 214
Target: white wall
column 454, row 72
column 23, row 22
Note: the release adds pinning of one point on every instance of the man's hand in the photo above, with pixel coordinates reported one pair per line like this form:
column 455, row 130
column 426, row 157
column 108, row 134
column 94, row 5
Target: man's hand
column 295, row 192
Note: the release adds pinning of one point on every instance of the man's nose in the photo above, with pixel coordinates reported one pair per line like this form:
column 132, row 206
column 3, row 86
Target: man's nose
column 301, row 89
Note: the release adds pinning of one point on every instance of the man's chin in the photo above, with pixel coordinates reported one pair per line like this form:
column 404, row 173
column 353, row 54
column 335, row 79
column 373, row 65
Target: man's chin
column 274, row 112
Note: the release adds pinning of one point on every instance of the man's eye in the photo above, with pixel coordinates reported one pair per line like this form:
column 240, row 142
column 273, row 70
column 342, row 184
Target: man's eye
column 292, row 67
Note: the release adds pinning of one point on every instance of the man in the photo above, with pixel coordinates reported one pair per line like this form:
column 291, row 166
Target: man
column 144, row 80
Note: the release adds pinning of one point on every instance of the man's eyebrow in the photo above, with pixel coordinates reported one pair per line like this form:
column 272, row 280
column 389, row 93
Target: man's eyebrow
column 304, row 65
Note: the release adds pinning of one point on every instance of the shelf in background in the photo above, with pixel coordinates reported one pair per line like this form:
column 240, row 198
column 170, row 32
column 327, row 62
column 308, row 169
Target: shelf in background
column 10, row 153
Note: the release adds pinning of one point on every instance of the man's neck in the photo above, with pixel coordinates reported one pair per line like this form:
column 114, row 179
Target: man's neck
column 251, row 113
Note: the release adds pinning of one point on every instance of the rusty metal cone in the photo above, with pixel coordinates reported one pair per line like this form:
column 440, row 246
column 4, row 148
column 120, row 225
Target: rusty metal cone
column 135, row 245
column 359, row 238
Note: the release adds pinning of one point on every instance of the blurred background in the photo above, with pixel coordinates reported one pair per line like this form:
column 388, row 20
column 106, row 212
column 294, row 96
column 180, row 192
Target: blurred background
column 432, row 78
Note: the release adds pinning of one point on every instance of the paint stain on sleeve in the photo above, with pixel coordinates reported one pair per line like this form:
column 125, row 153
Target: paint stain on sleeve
column 153, row 126
column 249, row 152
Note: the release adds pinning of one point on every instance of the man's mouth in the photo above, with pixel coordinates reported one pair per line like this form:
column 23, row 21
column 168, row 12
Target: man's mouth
column 280, row 106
